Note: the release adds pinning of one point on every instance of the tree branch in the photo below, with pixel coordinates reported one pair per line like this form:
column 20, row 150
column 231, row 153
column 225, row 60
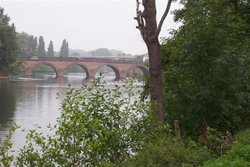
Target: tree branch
column 139, row 18
column 163, row 18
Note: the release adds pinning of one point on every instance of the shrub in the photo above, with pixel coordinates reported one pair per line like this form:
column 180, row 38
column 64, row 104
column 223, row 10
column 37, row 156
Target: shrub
column 6, row 158
column 243, row 137
column 98, row 125
column 239, row 155
column 163, row 151
column 216, row 142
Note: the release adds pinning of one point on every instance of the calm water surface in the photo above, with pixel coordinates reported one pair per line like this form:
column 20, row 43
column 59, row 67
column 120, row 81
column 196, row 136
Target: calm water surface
column 27, row 102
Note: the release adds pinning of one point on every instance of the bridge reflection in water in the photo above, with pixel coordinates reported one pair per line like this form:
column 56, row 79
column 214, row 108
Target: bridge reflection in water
column 71, row 78
column 121, row 67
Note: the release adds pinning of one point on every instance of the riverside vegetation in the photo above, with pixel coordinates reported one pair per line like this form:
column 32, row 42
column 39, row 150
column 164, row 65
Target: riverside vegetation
column 111, row 126
column 206, row 87
column 98, row 125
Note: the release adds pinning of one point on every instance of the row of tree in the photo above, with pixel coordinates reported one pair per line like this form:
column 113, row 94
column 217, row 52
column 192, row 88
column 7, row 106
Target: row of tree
column 29, row 47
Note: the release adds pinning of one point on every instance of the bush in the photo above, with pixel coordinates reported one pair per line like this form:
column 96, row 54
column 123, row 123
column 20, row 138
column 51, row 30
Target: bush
column 97, row 125
column 216, row 142
column 163, row 151
column 6, row 147
column 239, row 155
column 243, row 137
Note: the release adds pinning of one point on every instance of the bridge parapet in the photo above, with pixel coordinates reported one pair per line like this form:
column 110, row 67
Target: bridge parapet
column 87, row 59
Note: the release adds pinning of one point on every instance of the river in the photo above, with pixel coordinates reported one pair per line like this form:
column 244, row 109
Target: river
column 30, row 101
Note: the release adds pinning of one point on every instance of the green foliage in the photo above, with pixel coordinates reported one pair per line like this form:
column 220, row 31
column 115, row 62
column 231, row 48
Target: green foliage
column 8, row 44
column 215, row 142
column 206, row 67
column 44, row 68
column 64, row 50
column 98, row 125
column 239, row 155
column 243, row 137
column 164, row 151
column 41, row 48
column 6, row 147
column 27, row 45
column 50, row 52
column 74, row 68
column 145, row 92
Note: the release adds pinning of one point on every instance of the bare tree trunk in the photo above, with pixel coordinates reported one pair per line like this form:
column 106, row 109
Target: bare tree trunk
column 147, row 24
column 155, row 83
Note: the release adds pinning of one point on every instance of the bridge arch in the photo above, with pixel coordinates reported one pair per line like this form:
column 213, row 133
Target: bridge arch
column 82, row 67
column 133, row 69
column 31, row 70
column 115, row 70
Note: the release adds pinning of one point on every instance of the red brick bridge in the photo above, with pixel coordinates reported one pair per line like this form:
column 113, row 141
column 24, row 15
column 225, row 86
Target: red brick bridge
column 121, row 66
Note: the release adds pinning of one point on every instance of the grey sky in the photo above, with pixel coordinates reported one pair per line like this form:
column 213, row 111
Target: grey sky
column 86, row 24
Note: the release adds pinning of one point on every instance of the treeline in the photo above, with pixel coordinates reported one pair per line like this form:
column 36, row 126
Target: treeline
column 29, row 46
column 14, row 45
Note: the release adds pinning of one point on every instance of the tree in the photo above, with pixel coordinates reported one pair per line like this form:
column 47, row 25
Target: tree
column 147, row 25
column 27, row 45
column 50, row 52
column 207, row 67
column 41, row 48
column 8, row 44
column 64, row 51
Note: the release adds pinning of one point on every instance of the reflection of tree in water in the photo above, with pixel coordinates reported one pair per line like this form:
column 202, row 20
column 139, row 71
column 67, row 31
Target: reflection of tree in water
column 7, row 103
column 43, row 71
column 109, row 72
column 136, row 73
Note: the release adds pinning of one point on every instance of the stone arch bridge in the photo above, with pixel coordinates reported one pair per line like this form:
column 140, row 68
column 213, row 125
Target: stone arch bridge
column 121, row 66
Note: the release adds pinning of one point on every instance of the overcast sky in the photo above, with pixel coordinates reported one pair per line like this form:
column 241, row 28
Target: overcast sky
column 85, row 24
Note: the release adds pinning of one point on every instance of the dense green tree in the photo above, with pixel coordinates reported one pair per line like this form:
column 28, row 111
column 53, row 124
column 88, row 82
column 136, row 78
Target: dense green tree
column 207, row 64
column 64, row 51
column 8, row 44
column 41, row 48
column 50, row 52
column 27, row 45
